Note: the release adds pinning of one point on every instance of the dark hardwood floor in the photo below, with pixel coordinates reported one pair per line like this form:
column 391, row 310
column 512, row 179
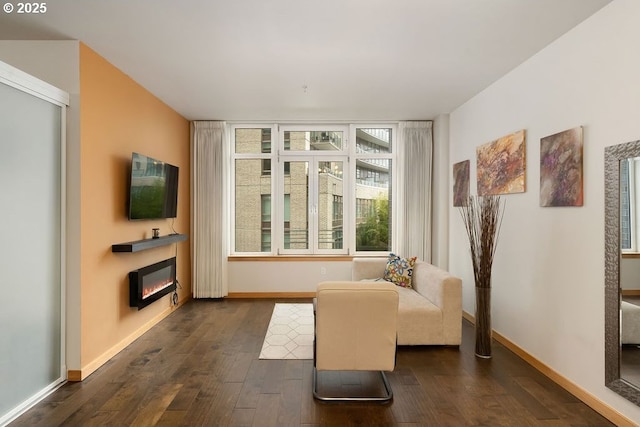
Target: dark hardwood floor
column 200, row 366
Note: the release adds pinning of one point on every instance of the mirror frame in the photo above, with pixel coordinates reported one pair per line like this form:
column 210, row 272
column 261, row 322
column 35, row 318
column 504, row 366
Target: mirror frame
column 612, row 295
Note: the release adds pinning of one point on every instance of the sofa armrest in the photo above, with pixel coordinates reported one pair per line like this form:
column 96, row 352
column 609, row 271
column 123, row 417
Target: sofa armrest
column 368, row 268
column 445, row 291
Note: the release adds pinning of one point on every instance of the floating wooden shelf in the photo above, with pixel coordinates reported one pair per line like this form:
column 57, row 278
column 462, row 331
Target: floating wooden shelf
column 141, row 245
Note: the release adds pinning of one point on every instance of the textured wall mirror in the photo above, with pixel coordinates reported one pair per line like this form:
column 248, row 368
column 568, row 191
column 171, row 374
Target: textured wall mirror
column 622, row 212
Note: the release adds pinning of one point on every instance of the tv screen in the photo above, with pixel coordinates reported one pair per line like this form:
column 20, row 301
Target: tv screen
column 153, row 192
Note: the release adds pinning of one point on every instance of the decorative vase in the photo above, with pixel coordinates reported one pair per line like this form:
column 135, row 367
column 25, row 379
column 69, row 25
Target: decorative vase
column 482, row 216
column 483, row 322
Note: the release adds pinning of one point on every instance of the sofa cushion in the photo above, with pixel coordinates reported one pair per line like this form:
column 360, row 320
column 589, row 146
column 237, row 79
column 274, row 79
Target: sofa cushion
column 399, row 270
column 419, row 320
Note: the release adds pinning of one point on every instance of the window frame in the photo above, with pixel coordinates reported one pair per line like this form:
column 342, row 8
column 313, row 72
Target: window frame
column 347, row 154
column 393, row 188
column 232, row 179
column 633, row 181
column 314, row 157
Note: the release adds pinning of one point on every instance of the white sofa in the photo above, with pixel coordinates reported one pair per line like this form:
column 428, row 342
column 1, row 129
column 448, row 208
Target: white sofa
column 429, row 313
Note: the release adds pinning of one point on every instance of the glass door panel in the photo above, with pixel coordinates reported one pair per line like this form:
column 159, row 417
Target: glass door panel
column 296, row 205
column 330, row 207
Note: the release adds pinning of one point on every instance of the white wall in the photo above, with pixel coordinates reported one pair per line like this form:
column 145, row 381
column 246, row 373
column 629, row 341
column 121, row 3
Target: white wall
column 58, row 63
column 55, row 62
column 548, row 279
column 284, row 276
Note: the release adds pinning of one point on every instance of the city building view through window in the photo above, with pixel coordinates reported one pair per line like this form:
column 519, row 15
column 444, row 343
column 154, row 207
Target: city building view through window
column 295, row 192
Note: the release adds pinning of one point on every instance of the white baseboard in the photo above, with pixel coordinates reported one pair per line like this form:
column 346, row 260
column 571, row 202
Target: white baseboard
column 271, row 295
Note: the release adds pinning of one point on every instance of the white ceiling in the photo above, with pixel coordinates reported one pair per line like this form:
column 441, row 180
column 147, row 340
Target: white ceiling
column 302, row 59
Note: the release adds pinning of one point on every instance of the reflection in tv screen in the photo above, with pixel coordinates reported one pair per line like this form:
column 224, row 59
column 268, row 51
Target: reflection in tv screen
column 154, row 188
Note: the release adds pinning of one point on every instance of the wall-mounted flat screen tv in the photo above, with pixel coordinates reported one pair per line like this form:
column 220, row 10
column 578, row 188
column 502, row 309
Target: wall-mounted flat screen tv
column 153, row 192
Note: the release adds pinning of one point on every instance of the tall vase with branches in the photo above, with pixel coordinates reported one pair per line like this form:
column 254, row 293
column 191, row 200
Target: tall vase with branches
column 482, row 216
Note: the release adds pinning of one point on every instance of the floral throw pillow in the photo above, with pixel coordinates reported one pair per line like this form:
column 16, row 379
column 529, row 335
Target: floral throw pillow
column 399, row 270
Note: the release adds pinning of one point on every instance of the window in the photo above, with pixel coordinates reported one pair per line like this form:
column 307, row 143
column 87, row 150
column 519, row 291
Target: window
column 373, row 189
column 252, row 189
column 303, row 189
column 629, row 194
column 266, row 223
column 336, row 222
column 266, row 148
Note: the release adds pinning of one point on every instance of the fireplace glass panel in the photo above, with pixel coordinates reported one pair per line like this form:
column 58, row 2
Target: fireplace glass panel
column 150, row 283
column 156, row 281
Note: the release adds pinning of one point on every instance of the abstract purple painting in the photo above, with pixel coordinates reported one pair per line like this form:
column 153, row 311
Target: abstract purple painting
column 501, row 165
column 461, row 182
column 561, row 182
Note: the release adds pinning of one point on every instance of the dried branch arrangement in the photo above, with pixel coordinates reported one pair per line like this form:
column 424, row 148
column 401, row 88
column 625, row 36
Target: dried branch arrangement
column 482, row 216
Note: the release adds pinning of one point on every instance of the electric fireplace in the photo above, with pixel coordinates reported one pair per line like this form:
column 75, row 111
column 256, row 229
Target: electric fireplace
column 150, row 283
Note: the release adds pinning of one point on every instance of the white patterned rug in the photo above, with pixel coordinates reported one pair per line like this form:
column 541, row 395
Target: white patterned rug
column 290, row 333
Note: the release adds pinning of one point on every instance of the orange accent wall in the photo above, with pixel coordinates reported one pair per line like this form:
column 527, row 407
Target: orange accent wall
column 117, row 117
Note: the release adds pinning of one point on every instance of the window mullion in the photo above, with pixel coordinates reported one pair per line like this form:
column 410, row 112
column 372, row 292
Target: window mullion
column 276, row 191
column 278, row 194
column 313, row 206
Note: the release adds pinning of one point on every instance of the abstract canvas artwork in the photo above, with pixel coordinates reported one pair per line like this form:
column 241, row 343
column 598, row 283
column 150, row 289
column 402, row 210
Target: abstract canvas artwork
column 561, row 182
column 461, row 182
column 501, row 165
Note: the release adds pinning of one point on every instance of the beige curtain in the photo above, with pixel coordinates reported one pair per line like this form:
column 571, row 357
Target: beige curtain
column 209, row 227
column 415, row 149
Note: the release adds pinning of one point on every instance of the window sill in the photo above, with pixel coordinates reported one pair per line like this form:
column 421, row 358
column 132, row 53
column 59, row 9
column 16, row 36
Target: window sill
column 289, row 258
column 630, row 255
